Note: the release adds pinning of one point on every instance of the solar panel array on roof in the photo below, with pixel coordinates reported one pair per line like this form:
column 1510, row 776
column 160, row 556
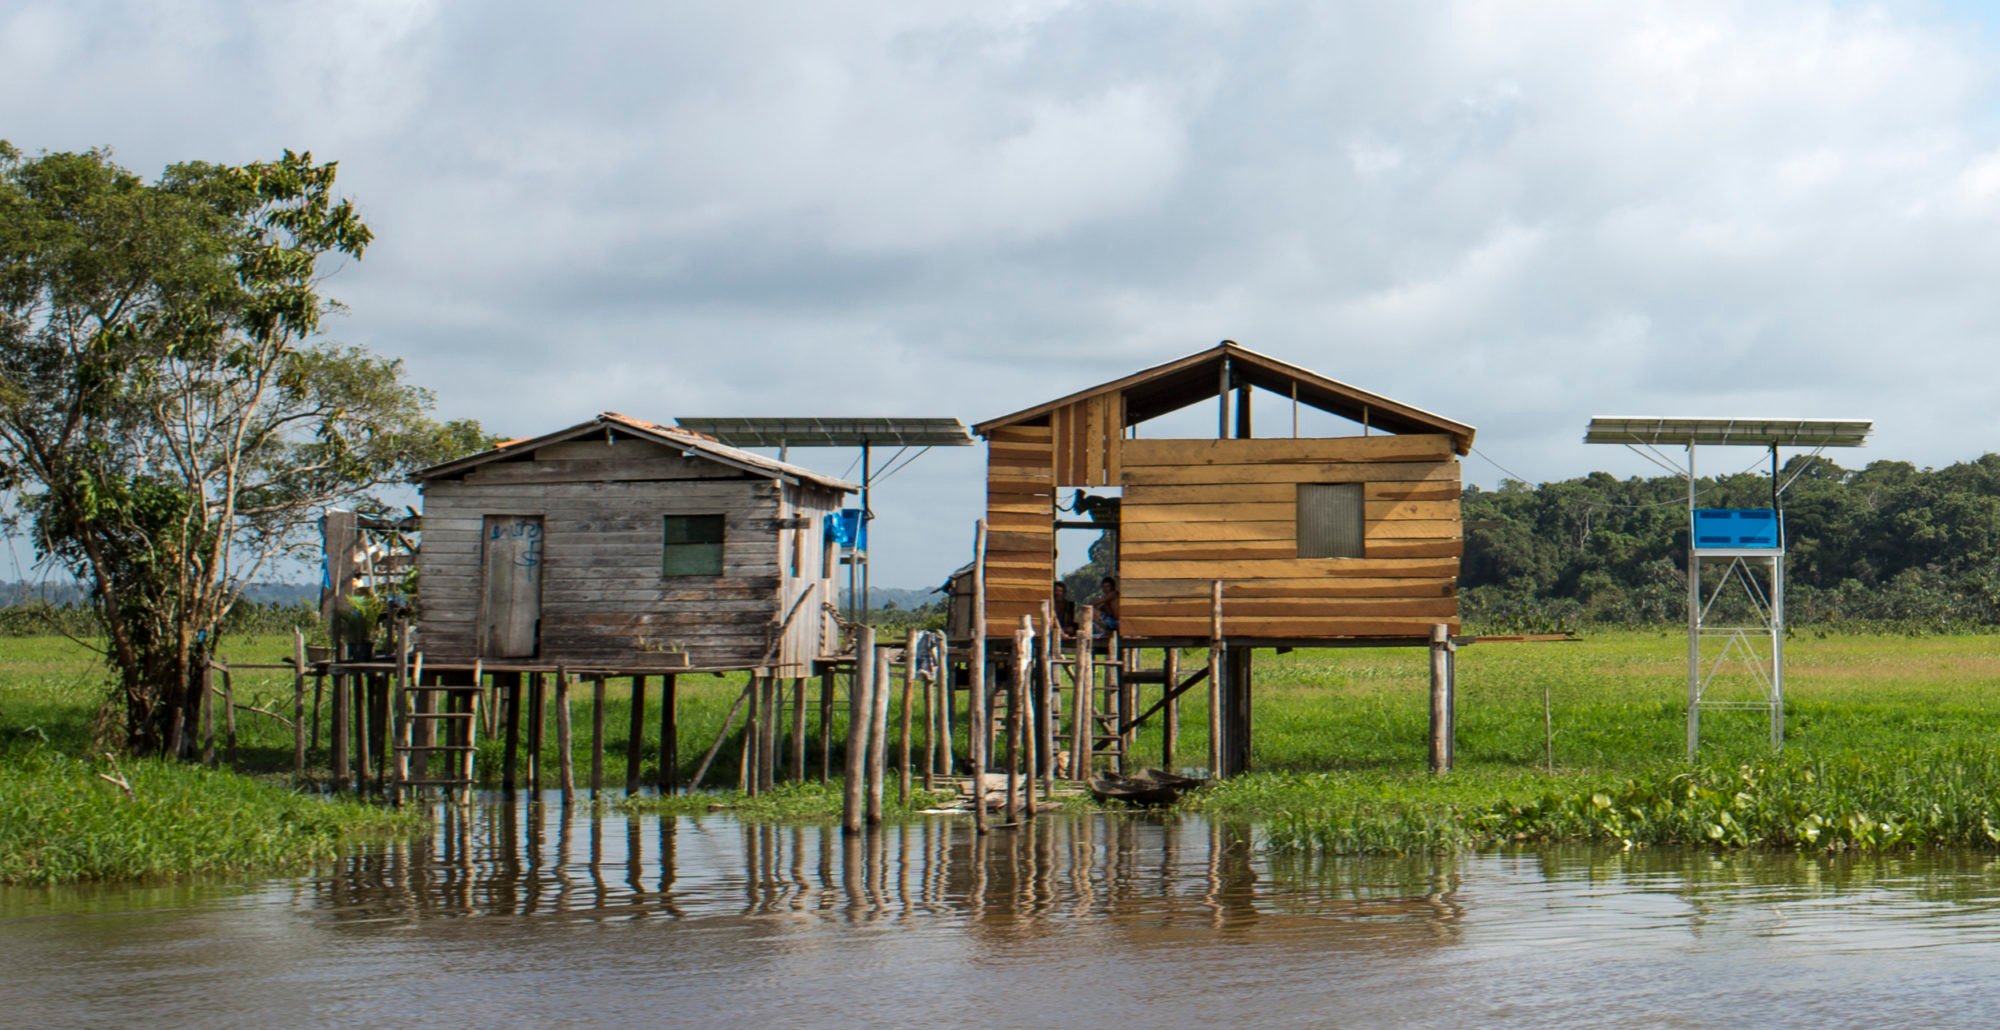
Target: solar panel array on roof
column 1755, row 432
column 832, row 432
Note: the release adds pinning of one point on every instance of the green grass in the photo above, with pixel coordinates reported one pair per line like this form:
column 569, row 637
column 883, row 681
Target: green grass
column 62, row 821
column 1880, row 730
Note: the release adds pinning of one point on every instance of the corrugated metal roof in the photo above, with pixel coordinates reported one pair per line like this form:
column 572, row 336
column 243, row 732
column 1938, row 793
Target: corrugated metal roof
column 685, row 440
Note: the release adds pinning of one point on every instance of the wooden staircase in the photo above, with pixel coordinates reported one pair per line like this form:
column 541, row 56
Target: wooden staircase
column 424, row 710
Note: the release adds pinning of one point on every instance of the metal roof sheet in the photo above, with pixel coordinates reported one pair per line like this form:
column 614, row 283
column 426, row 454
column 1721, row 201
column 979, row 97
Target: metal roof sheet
column 1755, row 432
column 832, row 432
column 683, row 439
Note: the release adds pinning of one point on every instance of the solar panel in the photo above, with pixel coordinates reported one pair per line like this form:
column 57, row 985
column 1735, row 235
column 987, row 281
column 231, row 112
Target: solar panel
column 1754, row 432
column 832, row 432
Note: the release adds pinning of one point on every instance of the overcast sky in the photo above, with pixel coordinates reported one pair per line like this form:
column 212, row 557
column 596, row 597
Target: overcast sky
column 1516, row 215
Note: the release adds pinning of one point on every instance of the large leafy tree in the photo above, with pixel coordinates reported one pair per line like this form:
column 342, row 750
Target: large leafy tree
column 171, row 421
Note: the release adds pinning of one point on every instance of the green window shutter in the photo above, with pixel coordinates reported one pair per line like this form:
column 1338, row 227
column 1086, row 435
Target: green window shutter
column 692, row 546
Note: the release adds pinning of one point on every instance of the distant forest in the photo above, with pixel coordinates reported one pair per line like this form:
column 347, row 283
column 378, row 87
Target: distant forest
column 1889, row 545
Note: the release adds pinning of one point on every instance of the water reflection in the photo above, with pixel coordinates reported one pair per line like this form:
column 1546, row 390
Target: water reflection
column 1134, row 874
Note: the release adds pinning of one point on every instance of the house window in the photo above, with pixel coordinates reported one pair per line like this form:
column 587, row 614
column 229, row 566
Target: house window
column 693, row 546
column 1330, row 520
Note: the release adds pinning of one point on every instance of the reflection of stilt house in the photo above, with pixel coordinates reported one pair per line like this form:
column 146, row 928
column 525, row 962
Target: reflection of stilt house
column 618, row 544
column 1321, row 541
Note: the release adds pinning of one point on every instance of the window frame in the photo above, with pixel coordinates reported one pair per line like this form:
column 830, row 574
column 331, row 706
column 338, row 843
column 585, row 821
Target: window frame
column 1359, row 494
column 669, row 546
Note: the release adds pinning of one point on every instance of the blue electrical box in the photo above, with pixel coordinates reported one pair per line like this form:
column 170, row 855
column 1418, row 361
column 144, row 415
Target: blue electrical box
column 1737, row 529
column 847, row 528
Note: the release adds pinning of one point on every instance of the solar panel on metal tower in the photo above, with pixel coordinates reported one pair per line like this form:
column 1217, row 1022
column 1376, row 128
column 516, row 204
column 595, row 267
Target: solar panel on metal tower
column 832, row 432
column 1754, row 432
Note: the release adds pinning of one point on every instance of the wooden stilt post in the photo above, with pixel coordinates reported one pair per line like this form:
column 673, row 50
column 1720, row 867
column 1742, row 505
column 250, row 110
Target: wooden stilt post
column 538, row 711
column 798, row 729
column 1441, row 700
column 1084, row 720
column 977, row 730
column 825, row 724
column 1114, row 671
column 1170, row 720
column 229, row 713
column 1024, row 638
column 878, row 736
column 721, row 735
column 774, row 718
column 205, row 705
column 1215, row 675
column 338, row 737
column 564, row 745
column 749, row 770
column 635, row 735
column 1045, row 709
column 860, row 714
column 319, row 694
column 299, row 702
column 670, row 734
column 909, row 689
column 1024, row 713
column 596, row 736
column 364, row 721
column 508, row 685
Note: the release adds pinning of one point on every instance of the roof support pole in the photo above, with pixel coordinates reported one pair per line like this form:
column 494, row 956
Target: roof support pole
column 1243, row 412
column 1222, row 402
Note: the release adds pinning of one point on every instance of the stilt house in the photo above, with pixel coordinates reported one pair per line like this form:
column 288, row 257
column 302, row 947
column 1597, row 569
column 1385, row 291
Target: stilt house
column 620, row 544
column 1319, row 539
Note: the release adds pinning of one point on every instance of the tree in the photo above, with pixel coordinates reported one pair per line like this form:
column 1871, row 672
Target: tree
column 171, row 422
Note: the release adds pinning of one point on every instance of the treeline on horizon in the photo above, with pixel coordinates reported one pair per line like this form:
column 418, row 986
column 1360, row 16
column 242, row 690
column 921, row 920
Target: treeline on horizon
column 1887, row 546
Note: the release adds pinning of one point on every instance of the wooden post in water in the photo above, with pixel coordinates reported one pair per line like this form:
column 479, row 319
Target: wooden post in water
column 1441, row 700
column 1084, row 720
column 878, row 737
column 670, row 734
column 564, row 746
column 298, row 702
column 909, row 688
column 860, row 713
column 635, row 735
column 976, row 730
column 596, row 736
column 1215, row 680
column 1170, row 720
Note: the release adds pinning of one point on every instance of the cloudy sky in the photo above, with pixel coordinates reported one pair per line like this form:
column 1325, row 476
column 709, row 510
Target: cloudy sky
column 1517, row 215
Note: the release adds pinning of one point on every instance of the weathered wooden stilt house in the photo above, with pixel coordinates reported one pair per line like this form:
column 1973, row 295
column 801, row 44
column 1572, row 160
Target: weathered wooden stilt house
column 1315, row 541
column 623, row 544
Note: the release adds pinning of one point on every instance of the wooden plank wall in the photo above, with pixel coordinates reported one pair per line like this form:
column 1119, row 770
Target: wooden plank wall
column 602, row 591
column 1020, row 525
column 1195, row 511
column 1088, row 439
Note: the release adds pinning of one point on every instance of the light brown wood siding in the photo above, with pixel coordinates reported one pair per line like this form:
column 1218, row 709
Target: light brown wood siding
column 1087, row 441
column 604, row 597
column 1020, row 525
column 1195, row 511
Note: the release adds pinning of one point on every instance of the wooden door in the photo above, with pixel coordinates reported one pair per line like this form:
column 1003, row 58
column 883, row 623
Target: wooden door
column 510, row 597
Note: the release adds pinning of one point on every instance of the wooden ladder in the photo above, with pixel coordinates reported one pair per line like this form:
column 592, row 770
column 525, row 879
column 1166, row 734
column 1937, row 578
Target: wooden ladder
column 427, row 708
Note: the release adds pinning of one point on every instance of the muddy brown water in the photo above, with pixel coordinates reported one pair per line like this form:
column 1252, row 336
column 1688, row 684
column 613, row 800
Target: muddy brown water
column 533, row 915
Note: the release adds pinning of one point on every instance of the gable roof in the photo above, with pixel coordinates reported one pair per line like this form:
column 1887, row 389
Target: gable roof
column 1189, row 380
column 687, row 441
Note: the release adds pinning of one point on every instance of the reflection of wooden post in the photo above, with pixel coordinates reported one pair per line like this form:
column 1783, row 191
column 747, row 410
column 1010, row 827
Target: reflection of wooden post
column 860, row 712
column 977, row 730
column 1215, row 680
column 1441, row 742
column 635, row 735
column 909, row 688
column 1170, row 720
column 1084, row 718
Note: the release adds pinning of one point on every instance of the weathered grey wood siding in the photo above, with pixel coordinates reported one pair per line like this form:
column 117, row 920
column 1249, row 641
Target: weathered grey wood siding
column 604, row 597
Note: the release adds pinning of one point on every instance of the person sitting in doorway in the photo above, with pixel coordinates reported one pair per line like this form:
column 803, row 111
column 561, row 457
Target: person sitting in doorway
column 1107, row 604
column 1065, row 611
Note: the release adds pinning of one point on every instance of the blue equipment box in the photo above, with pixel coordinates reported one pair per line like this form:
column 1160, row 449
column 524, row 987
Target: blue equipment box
column 1737, row 529
column 847, row 528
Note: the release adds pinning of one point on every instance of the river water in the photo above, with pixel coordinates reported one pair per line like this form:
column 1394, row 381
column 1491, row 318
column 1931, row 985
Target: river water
column 534, row 914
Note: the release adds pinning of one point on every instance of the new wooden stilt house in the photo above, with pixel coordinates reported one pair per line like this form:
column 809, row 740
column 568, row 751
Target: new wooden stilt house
column 622, row 544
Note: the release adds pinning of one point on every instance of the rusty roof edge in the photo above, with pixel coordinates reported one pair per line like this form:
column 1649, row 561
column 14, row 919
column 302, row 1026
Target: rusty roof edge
column 671, row 436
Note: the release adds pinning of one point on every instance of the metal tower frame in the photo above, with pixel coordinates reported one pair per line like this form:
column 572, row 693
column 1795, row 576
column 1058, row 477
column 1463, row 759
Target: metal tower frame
column 1761, row 644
